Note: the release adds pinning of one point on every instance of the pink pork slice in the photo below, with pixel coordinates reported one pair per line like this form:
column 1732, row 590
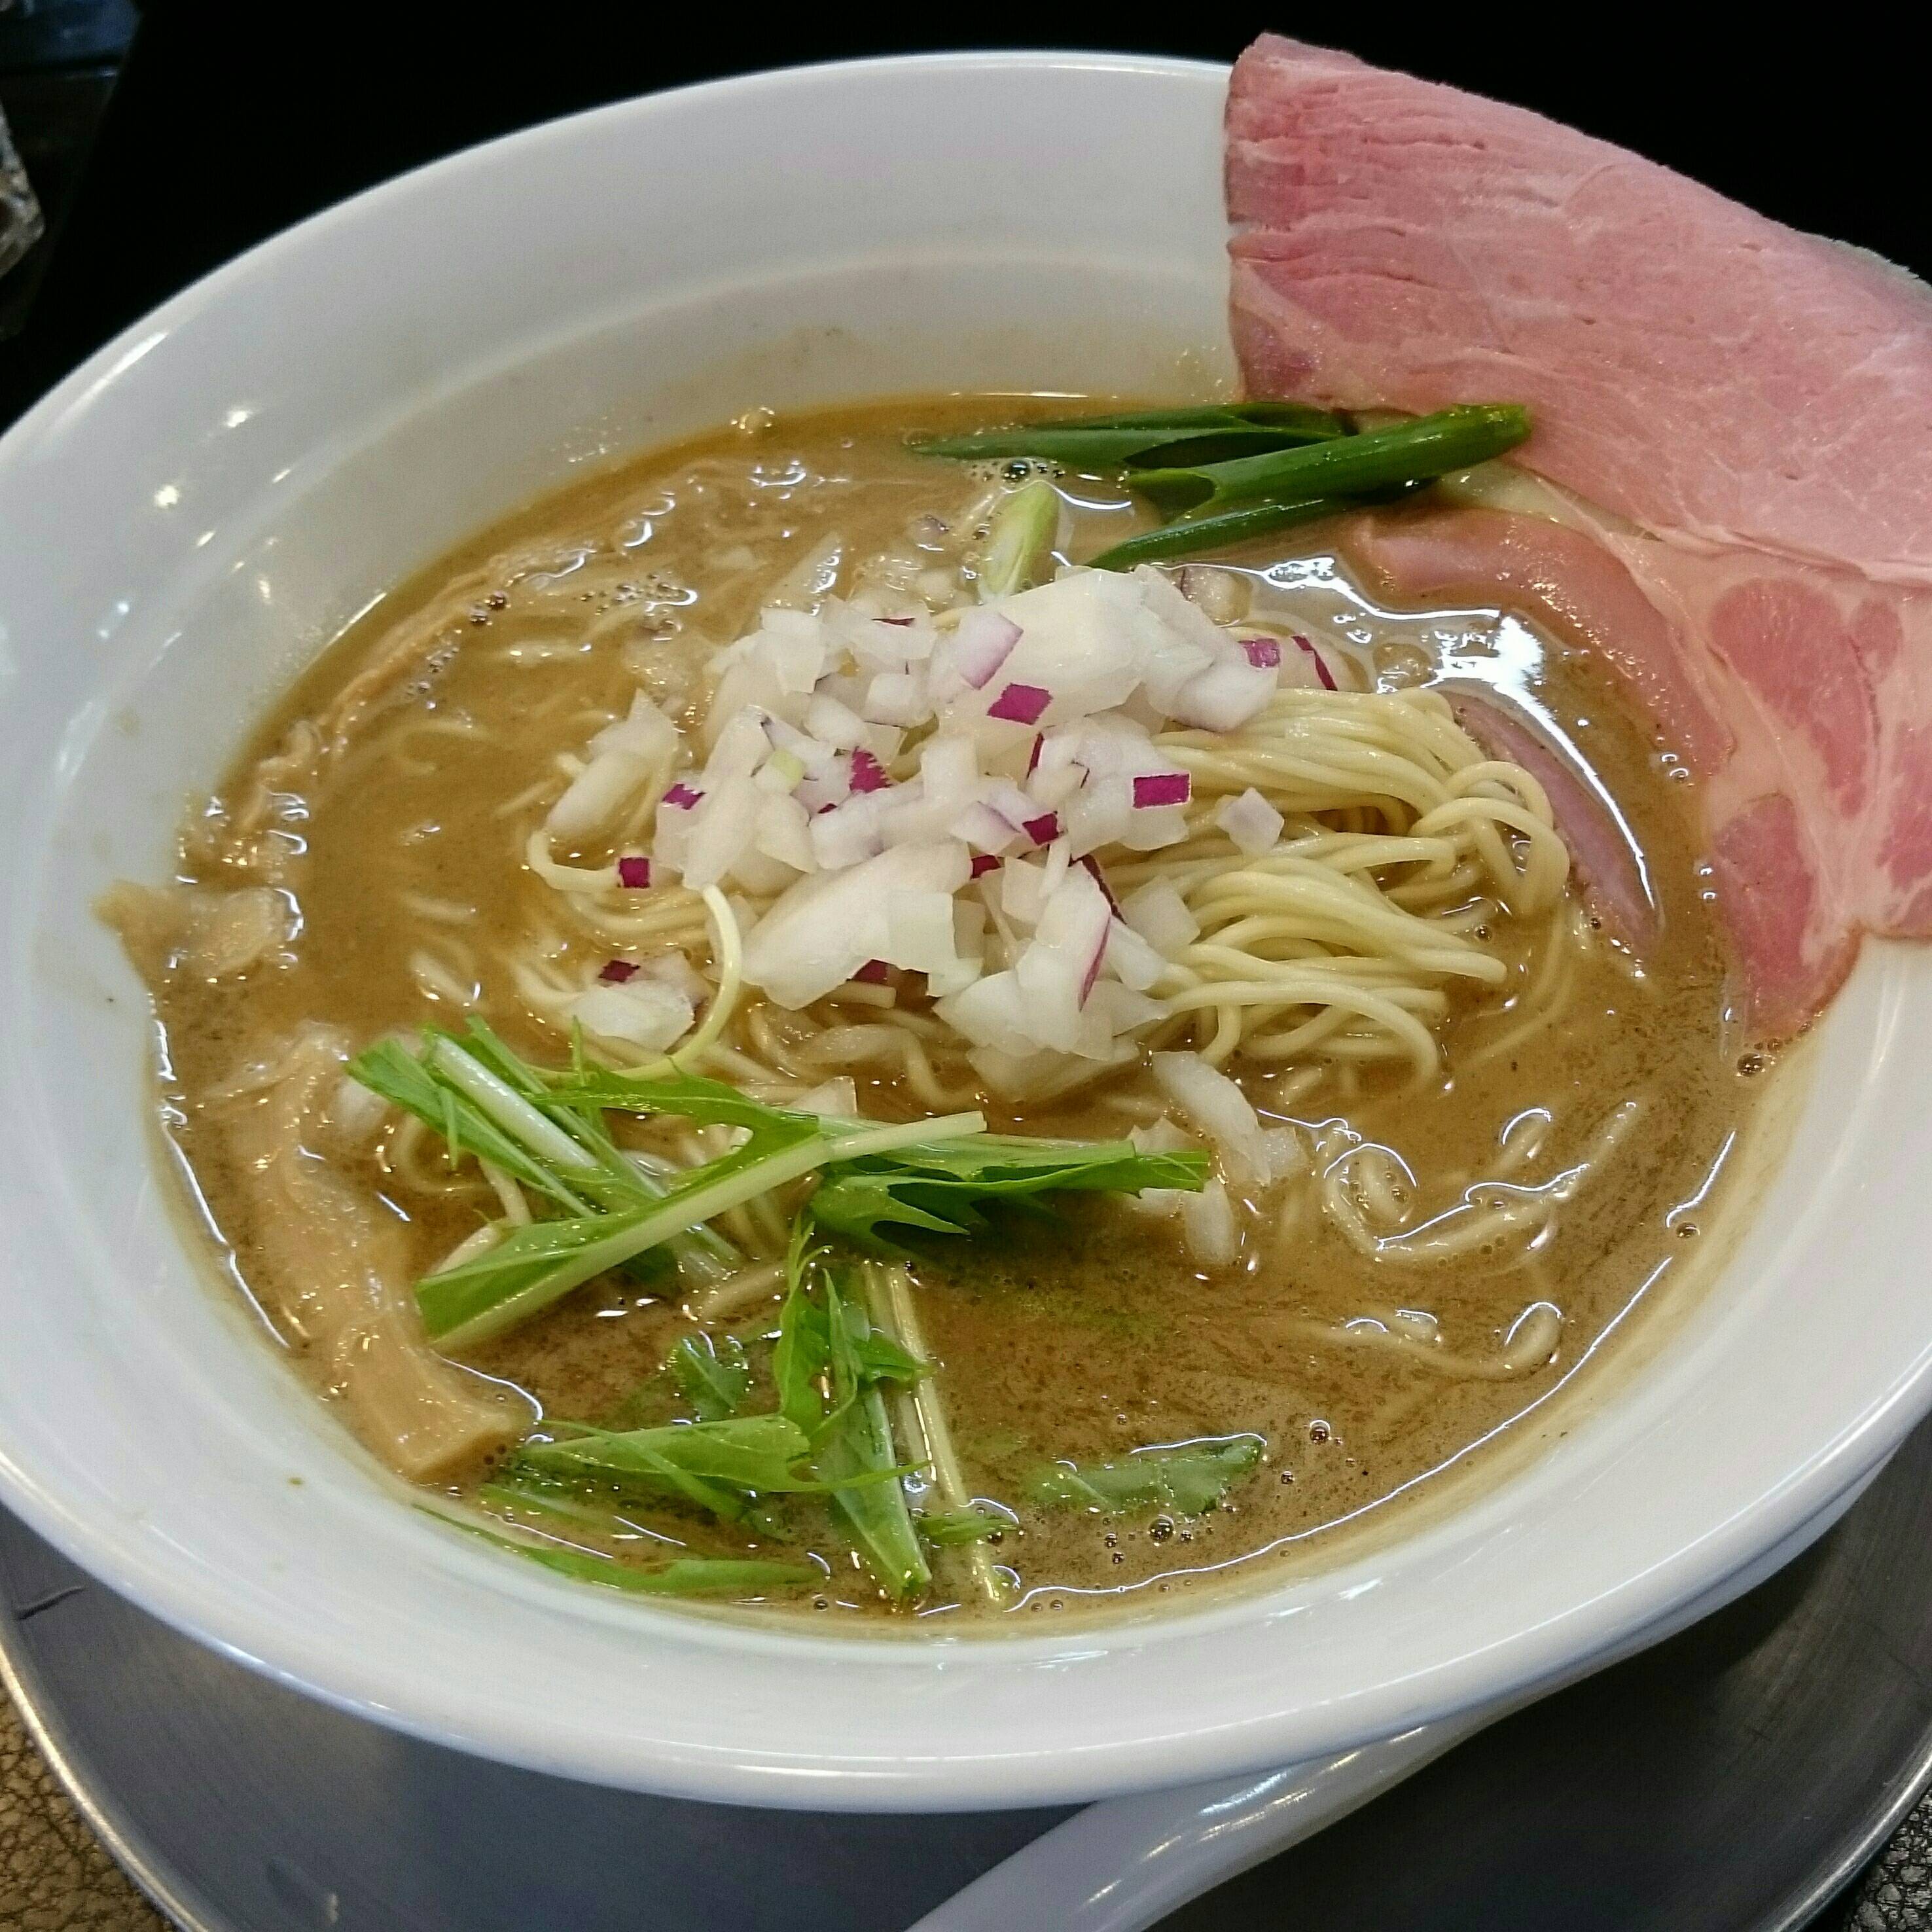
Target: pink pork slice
column 1742, row 414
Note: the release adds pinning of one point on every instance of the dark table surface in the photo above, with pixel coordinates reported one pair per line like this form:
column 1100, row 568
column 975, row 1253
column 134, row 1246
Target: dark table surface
column 228, row 122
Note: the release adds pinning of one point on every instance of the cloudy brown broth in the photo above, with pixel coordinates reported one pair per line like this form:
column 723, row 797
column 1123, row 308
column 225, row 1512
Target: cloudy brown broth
column 387, row 800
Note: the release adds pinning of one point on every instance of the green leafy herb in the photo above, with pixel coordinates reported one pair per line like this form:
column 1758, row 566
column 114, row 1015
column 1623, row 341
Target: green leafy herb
column 935, row 1174
column 712, row 1103
column 826, row 1344
column 535, row 1266
column 713, row 1374
column 947, row 1528
column 755, row 1453
column 943, row 1188
column 484, row 1099
column 1188, row 1478
column 389, row 1069
column 682, row 1576
column 853, row 1451
column 1097, row 444
column 594, row 1496
column 517, row 1486
column 882, row 1360
column 1020, row 545
column 689, row 1096
column 804, row 1351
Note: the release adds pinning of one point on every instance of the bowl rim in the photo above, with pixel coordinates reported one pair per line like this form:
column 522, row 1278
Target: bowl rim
column 375, row 1685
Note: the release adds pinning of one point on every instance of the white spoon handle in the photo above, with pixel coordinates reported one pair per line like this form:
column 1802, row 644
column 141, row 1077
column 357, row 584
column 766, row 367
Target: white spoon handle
column 1123, row 1864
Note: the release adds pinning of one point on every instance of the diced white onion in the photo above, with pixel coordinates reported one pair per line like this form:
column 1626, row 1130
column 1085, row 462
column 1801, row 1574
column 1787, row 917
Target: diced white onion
column 1057, row 971
column 1136, row 963
column 1076, row 641
column 1009, row 801
column 1221, row 594
column 642, row 1012
column 1053, row 990
column 723, row 824
column 1099, row 814
column 1042, row 1075
column 1221, row 1111
column 355, row 1113
column 749, row 688
column 1022, row 890
column 949, row 769
column 1120, row 1009
column 833, row 724
column 756, row 871
column 946, row 980
column 644, row 731
column 1149, row 830
column 822, row 928
column 1287, row 1155
column 1223, row 698
column 1207, row 1221
column 1058, row 859
column 919, row 932
column 991, row 1011
column 1160, row 1136
column 678, row 972
column 740, row 747
column 798, row 659
column 1051, row 789
column 815, row 756
column 594, row 798
column 1250, row 821
column 985, row 830
column 785, row 833
column 838, row 1097
column 980, row 645
column 848, row 834
column 1159, row 914
column 896, row 697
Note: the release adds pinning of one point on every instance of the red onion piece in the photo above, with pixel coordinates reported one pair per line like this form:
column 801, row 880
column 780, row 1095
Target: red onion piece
column 868, row 774
column 1033, row 757
column 873, row 973
column 1020, row 703
column 617, row 971
column 1044, row 830
column 634, row 872
column 982, row 643
column 1152, row 788
column 1264, row 653
column 984, row 862
column 682, row 795
column 983, row 827
column 1321, row 670
column 893, row 620
column 1099, row 954
column 1093, row 866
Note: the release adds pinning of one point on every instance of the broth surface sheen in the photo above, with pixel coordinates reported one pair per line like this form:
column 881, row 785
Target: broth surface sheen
column 365, row 860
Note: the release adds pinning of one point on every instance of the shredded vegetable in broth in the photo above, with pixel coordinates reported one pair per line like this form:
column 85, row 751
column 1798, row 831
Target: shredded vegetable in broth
column 769, row 1036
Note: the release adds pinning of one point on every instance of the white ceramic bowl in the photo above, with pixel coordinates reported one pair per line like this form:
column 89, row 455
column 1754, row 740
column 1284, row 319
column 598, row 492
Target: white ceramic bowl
column 213, row 495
